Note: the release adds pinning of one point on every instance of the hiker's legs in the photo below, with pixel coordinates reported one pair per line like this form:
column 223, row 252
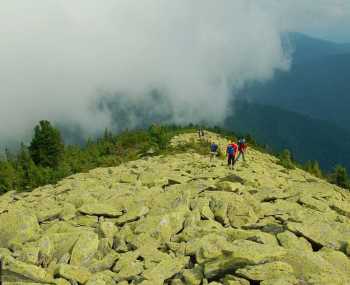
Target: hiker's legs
column 212, row 156
column 243, row 155
column 231, row 161
column 238, row 156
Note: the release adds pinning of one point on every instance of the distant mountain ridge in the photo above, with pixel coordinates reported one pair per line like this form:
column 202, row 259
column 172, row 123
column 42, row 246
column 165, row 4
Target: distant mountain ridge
column 306, row 48
column 307, row 138
column 317, row 84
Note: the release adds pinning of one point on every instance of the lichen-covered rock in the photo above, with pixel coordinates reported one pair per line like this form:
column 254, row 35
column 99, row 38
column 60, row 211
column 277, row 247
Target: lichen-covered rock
column 133, row 213
column 241, row 253
column 4, row 252
column 61, row 281
column 202, row 204
column 85, row 220
column 166, row 269
column 193, row 276
column 338, row 259
column 56, row 245
column 22, row 271
column 324, row 233
column 68, row 212
column 234, row 280
column 179, row 219
column 103, row 278
column 49, row 214
column 290, row 241
column 128, row 267
column 75, row 273
column 229, row 186
column 341, row 207
column 29, row 253
column 84, row 249
column 99, row 209
column 46, row 250
column 266, row 271
column 106, row 263
column 19, row 226
column 315, row 269
column 312, row 203
column 163, row 227
column 285, row 280
column 107, row 229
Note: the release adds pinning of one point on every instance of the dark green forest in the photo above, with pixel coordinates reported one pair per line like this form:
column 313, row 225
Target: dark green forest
column 47, row 159
column 307, row 138
column 317, row 84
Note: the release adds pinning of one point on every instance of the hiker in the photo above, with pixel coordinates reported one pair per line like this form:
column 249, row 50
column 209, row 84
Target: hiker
column 199, row 133
column 231, row 153
column 213, row 150
column 242, row 146
column 202, row 133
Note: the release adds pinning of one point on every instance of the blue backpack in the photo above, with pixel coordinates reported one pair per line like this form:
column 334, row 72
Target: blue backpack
column 230, row 149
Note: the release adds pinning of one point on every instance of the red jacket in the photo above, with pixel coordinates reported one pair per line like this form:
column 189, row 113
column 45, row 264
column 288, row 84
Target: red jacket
column 242, row 147
column 235, row 147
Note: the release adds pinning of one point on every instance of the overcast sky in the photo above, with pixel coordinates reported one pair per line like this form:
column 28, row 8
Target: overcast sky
column 56, row 54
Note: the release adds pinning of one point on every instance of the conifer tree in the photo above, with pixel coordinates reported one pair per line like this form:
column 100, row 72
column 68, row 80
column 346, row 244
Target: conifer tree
column 286, row 159
column 8, row 176
column 159, row 136
column 46, row 148
column 340, row 176
column 313, row 167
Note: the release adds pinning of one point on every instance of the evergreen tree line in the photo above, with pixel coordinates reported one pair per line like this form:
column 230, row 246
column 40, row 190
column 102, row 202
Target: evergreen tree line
column 338, row 176
column 47, row 159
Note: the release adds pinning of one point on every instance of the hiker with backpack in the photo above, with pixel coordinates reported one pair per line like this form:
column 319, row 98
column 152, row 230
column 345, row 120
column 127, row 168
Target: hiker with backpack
column 231, row 151
column 213, row 150
column 242, row 146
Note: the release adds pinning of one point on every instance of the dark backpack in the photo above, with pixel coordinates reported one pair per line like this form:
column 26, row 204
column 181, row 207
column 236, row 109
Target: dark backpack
column 230, row 149
column 214, row 147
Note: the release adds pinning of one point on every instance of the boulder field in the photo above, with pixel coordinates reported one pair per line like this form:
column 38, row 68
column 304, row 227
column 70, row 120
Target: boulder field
column 179, row 219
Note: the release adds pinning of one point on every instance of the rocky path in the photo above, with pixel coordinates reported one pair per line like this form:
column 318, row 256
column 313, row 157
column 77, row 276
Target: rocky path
column 179, row 220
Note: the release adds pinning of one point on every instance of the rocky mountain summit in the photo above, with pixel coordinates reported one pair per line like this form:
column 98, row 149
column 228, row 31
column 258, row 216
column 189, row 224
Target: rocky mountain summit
column 179, row 219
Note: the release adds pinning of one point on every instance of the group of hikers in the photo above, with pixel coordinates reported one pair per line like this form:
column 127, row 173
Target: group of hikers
column 200, row 133
column 233, row 151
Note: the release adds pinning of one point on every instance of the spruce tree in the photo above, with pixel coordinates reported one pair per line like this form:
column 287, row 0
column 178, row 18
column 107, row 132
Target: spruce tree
column 159, row 136
column 286, row 159
column 46, row 148
column 340, row 177
column 313, row 167
column 8, row 177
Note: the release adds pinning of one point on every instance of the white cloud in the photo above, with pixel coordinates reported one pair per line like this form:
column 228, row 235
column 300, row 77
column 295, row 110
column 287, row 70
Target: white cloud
column 55, row 54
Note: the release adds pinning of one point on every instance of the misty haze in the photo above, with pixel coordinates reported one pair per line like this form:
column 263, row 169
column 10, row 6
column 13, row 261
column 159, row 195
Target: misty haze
column 123, row 65
column 175, row 142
